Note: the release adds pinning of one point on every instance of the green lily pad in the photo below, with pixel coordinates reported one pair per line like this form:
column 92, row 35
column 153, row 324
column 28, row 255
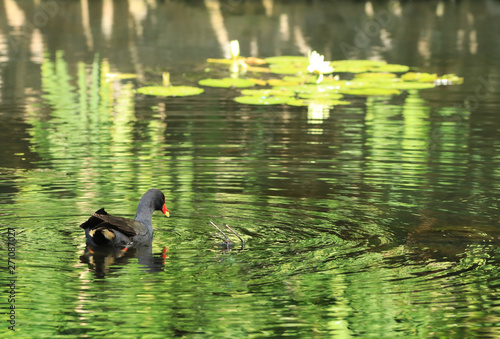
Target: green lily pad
column 308, row 79
column 220, row 61
column 226, row 83
column 449, row 79
column 288, row 59
column 371, row 91
column 268, row 92
column 392, row 68
column 298, row 65
column 259, row 82
column 375, row 75
column 408, row 85
column 361, row 66
column 309, row 88
column 288, row 68
column 288, row 64
column 282, row 82
column 258, row 69
column 355, row 66
column 321, row 96
column 262, row 100
column 170, row 91
column 371, row 82
column 324, row 102
column 418, row 76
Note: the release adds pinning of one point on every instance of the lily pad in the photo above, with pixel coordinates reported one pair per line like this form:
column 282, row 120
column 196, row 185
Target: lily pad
column 321, row 96
column 308, row 79
column 360, row 66
column 393, row 68
column 262, row 100
column 255, row 61
column 371, row 91
column 259, row 82
column 418, row 76
column 375, row 75
column 371, row 82
column 355, row 66
column 288, row 68
column 309, row 88
column 226, row 83
column 257, row 69
column 449, row 79
column 408, row 85
column 288, row 59
column 220, row 61
column 288, row 64
column 268, row 92
column 324, row 102
column 282, row 82
column 170, row 91
column 248, row 61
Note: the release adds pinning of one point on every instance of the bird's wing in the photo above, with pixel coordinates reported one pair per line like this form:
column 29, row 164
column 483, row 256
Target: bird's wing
column 100, row 218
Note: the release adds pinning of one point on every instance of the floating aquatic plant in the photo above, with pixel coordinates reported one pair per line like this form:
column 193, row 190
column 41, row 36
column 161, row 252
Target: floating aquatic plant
column 262, row 100
column 234, row 49
column 318, row 101
column 227, row 82
column 371, row 91
column 318, row 65
column 286, row 59
column 167, row 90
column 310, row 88
column 237, row 64
column 306, row 82
column 319, row 95
column 268, row 92
column 375, row 75
column 250, row 61
column 360, row 66
column 447, row 79
column 303, row 65
column 417, row 76
column 172, row 91
column 265, row 96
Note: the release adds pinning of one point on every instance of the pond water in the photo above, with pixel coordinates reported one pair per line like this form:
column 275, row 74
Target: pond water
column 374, row 219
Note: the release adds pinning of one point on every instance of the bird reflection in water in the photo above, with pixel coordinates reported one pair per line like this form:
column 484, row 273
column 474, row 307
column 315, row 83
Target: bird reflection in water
column 105, row 260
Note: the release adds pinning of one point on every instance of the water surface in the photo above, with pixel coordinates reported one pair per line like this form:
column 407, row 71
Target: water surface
column 376, row 219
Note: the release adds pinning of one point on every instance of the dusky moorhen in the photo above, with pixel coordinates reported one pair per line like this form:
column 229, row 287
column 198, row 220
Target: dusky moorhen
column 102, row 229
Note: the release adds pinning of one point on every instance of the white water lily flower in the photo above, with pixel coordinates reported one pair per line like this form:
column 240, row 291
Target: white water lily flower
column 318, row 65
column 238, row 65
column 234, row 49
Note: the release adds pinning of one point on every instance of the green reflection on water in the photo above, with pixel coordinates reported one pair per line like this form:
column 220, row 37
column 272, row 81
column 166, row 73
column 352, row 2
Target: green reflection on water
column 316, row 265
column 414, row 140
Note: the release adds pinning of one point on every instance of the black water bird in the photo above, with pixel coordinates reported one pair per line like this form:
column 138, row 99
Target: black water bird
column 105, row 230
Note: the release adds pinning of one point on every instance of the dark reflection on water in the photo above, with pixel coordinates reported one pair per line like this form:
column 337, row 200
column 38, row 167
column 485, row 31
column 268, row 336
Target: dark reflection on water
column 375, row 219
column 102, row 260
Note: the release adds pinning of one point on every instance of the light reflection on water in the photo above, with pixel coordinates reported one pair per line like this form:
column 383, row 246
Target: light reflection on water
column 377, row 219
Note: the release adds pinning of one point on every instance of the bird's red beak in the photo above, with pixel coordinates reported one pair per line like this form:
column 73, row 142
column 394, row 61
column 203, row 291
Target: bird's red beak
column 164, row 210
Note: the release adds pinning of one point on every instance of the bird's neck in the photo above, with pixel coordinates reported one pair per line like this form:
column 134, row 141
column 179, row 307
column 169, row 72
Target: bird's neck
column 144, row 213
